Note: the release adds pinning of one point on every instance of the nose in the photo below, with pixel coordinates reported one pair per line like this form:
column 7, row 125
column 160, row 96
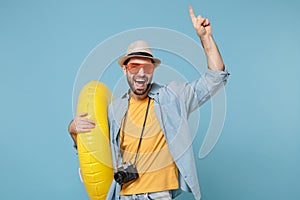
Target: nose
column 141, row 72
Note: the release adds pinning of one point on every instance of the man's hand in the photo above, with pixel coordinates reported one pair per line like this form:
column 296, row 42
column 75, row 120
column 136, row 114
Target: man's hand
column 80, row 124
column 203, row 29
column 201, row 25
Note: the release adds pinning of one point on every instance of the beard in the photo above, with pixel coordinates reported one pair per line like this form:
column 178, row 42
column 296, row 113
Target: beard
column 141, row 92
column 139, row 85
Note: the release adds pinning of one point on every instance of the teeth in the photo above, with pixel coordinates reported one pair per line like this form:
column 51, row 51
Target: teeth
column 140, row 80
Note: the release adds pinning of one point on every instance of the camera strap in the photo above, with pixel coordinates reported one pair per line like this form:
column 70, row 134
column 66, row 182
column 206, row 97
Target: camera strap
column 142, row 131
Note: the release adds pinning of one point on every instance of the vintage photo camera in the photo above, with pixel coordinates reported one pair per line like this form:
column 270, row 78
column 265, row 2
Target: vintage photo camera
column 125, row 173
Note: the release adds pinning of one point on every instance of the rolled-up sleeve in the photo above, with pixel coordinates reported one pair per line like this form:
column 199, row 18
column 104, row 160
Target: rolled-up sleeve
column 199, row 91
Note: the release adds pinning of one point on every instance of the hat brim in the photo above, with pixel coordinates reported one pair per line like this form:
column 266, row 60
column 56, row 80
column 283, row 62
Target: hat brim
column 123, row 59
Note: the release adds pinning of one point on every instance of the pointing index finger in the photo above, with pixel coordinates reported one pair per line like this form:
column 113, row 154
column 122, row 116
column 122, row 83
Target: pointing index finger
column 193, row 17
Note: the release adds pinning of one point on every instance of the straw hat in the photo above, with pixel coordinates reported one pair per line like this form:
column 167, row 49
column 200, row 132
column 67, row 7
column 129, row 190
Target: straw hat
column 139, row 48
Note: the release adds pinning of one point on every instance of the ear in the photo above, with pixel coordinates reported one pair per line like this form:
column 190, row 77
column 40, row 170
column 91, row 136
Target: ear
column 124, row 69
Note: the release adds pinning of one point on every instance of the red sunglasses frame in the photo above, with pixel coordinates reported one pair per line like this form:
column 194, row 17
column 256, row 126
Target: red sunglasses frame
column 134, row 68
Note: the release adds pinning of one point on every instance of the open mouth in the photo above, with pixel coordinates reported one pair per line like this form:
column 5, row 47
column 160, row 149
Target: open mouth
column 140, row 83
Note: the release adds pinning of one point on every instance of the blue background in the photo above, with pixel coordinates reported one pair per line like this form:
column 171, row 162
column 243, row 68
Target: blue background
column 43, row 44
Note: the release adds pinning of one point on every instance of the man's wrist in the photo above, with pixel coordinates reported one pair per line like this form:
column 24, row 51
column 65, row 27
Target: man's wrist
column 70, row 128
column 207, row 42
column 72, row 134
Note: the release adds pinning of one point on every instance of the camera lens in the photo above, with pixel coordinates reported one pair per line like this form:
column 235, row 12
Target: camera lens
column 120, row 177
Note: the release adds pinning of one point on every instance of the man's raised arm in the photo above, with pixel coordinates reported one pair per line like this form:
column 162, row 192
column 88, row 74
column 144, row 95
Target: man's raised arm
column 204, row 31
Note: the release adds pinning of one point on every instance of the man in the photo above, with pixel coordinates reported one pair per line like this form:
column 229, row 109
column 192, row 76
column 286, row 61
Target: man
column 148, row 125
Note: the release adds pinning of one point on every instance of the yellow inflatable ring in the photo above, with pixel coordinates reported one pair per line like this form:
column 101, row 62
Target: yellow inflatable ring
column 94, row 152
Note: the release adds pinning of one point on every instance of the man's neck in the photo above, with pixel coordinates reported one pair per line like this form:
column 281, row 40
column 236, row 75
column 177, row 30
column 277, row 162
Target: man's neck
column 138, row 97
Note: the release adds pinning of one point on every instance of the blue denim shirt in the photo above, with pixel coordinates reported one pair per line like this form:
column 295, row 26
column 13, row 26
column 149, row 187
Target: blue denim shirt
column 173, row 103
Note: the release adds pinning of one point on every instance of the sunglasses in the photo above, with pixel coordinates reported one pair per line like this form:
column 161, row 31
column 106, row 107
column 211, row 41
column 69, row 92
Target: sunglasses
column 134, row 68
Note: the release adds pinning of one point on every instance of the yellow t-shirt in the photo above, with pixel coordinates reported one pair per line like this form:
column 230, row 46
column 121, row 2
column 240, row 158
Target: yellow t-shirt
column 156, row 168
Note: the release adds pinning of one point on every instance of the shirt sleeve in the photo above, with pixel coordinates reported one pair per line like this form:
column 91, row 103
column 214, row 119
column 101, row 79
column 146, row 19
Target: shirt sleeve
column 199, row 91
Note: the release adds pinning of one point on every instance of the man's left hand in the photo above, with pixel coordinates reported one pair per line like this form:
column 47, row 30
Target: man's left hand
column 201, row 25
